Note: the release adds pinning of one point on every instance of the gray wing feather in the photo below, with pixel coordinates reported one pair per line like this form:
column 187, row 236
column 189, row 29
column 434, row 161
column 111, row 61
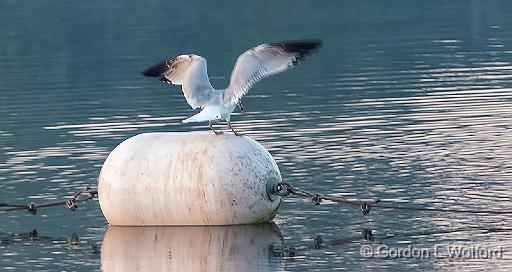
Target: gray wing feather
column 263, row 61
column 189, row 71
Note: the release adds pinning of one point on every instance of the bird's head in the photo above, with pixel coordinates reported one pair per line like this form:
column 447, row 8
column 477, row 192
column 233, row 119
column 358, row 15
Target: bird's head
column 211, row 113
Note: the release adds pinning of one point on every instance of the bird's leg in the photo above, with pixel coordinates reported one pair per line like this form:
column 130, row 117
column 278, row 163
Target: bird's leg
column 211, row 127
column 239, row 104
column 236, row 133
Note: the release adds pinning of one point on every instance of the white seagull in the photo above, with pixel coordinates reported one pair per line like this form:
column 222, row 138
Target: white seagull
column 259, row 62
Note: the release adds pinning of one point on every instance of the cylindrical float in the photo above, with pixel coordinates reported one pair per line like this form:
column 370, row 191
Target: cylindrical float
column 206, row 248
column 192, row 178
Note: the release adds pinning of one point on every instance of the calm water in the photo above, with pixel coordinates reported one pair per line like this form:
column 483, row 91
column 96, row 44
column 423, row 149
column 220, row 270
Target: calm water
column 408, row 101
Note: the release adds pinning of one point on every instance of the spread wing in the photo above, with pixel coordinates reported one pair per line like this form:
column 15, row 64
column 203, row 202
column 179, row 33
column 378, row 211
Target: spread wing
column 190, row 72
column 263, row 61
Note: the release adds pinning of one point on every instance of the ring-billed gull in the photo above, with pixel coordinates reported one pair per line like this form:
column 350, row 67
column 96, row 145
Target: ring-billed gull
column 259, row 62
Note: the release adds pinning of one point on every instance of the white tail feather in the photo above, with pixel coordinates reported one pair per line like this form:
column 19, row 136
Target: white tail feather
column 206, row 114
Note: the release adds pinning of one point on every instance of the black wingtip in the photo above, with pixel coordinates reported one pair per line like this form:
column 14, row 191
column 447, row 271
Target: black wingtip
column 156, row 70
column 300, row 47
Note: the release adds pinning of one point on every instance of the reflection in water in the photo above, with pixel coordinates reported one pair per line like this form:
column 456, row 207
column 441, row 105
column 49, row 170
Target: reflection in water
column 44, row 252
column 216, row 248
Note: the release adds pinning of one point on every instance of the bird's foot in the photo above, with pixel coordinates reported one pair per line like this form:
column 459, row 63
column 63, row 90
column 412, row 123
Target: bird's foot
column 216, row 132
column 236, row 133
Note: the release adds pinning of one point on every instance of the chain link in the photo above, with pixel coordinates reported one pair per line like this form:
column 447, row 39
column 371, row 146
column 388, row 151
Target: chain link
column 71, row 203
column 286, row 189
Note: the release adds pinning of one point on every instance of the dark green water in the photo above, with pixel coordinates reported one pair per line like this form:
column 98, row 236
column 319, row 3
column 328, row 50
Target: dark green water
column 408, row 101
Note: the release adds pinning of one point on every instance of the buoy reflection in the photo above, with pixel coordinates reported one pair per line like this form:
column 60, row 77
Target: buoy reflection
column 194, row 248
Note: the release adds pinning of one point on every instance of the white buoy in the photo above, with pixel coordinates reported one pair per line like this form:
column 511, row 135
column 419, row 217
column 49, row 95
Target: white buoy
column 193, row 178
column 206, row 248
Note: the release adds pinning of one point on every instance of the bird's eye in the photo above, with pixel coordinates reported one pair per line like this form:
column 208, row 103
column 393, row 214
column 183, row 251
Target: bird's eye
column 190, row 56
